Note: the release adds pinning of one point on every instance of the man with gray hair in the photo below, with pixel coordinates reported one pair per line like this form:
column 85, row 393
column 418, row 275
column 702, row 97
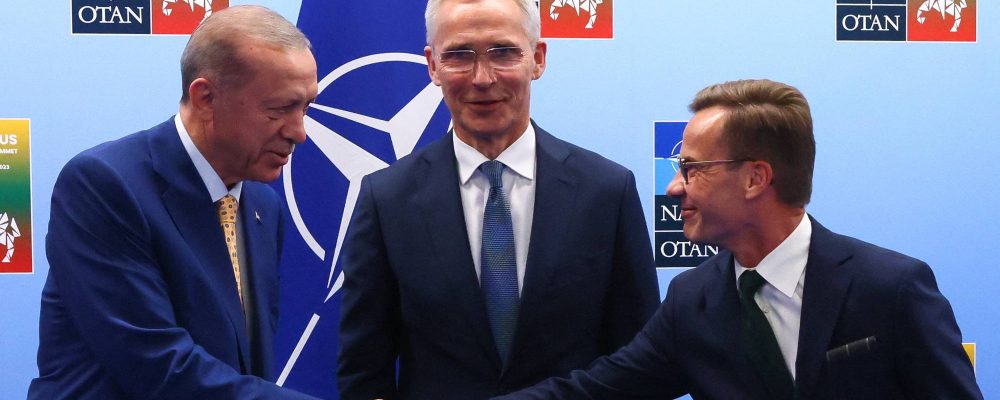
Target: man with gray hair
column 498, row 255
column 163, row 246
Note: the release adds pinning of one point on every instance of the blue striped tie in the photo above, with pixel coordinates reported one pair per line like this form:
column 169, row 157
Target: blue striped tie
column 498, row 277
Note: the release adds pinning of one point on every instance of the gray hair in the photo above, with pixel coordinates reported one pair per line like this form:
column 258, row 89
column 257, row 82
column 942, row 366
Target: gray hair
column 212, row 51
column 532, row 22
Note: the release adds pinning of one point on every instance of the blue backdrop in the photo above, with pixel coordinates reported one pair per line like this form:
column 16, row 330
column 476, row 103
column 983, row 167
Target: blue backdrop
column 905, row 135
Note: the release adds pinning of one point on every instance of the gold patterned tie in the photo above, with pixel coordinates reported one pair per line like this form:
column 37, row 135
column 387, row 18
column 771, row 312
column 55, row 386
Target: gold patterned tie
column 227, row 218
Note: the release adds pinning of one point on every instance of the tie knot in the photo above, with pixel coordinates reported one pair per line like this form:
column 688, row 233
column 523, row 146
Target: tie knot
column 750, row 282
column 494, row 171
column 227, row 209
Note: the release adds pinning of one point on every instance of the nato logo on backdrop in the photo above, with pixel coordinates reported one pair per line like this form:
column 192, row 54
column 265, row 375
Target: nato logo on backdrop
column 376, row 104
column 142, row 17
column 906, row 20
column 672, row 250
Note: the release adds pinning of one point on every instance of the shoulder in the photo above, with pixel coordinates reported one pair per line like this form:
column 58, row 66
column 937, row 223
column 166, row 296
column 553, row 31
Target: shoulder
column 123, row 159
column 602, row 178
column 871, row 265
column 406, row 174
column 577, row 158
column 125, row 154
column 709, row 272
column 118, row 175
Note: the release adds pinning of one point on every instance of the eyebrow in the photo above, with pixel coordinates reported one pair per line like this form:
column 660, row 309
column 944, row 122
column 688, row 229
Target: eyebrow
column 469, row 46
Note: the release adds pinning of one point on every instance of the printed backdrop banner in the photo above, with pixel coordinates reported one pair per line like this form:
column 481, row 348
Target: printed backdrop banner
column 15, row 196
column 376, row 103
column 672, row 249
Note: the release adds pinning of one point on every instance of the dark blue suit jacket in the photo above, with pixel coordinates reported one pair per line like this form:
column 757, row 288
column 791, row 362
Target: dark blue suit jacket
column 853, row 290
column 411, row 290
column 140, row 300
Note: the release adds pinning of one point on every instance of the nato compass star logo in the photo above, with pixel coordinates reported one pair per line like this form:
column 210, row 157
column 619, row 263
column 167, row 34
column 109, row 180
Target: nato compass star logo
column 357, row 126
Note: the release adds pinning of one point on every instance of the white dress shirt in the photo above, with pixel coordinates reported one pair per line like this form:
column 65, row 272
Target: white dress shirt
column 780, row 298
column 217, row 190
column 519, row 184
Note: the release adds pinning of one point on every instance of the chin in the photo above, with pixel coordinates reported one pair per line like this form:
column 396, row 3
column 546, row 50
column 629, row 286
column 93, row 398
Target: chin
column 266, row 177
column 694, row 235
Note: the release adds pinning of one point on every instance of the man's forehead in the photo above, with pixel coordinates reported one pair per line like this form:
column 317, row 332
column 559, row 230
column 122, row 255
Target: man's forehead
column 704, row 132
column 476, row 23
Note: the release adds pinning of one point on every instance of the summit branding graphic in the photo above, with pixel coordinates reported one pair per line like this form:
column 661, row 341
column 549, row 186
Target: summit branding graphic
column 142, row 17
column 15, row 197
column 577, row 19
column 906, row 20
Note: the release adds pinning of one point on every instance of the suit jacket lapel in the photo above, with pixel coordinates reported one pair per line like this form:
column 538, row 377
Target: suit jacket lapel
column 826, row 286
column 722, row 309
column 555, row 192
column 438, row 200
column 194, row 215
column 261, row 250
column 555, row 195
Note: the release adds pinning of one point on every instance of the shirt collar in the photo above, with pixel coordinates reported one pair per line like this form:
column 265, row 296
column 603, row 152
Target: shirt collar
column 783, row 267
column 518, row 157
column 216, row 188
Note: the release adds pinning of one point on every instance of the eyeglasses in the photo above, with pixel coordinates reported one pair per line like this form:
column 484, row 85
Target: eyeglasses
column 500, row 58
column 685, row 166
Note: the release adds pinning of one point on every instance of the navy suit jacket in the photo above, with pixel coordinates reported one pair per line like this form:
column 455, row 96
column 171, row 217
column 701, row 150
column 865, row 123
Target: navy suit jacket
column 411, row 290
column 140, row 300
column 853, row 290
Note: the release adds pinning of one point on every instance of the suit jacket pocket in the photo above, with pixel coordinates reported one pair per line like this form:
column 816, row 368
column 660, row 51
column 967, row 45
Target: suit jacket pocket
column 859, row 369
column 585, row 269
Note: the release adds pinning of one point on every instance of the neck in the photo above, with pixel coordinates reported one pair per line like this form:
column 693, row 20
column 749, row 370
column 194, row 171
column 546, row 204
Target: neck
column 762, row 236
column 198, row 131
column 490, row 145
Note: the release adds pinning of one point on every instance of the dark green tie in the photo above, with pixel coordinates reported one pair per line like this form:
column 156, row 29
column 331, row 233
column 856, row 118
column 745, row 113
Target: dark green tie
column 759, row 342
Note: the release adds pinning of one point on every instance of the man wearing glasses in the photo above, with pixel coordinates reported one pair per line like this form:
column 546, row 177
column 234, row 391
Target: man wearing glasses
column 499, row 255
column 789, row 310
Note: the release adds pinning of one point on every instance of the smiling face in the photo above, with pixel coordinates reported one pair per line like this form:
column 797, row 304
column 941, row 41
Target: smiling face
column 713, row 202
column 486, row 104
column 256, row 124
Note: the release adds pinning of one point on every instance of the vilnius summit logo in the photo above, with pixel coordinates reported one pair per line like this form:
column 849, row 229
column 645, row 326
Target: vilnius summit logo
column 906, row 20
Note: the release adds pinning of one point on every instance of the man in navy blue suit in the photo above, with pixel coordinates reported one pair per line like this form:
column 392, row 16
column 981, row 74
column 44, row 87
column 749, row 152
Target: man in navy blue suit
column 788, row 310
column 498, row 255
column 163, row 246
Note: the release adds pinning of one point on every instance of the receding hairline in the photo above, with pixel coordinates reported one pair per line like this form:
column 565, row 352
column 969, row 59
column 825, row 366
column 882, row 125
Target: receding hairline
column 215, row 49
column 530, row 12
column 267, row 27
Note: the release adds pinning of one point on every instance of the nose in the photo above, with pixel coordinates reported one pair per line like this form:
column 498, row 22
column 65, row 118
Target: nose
column 676, row 188
column 295, row 128
column 482, row 73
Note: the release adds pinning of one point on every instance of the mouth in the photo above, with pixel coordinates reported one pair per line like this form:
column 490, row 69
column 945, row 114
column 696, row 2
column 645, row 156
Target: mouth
column 484, row 104
column 687, row 212
column 282, row 156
